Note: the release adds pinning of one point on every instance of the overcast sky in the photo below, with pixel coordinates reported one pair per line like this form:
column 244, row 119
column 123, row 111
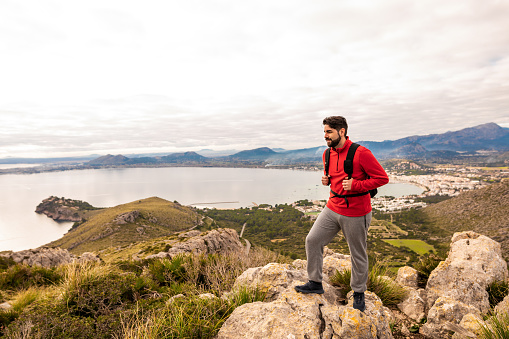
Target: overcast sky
column 83, row 77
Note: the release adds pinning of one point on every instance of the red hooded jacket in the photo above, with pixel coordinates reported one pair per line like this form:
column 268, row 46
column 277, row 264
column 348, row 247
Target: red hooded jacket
column 364, row 165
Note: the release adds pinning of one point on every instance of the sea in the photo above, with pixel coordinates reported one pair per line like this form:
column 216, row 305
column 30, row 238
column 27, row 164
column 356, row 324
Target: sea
column 21, row 228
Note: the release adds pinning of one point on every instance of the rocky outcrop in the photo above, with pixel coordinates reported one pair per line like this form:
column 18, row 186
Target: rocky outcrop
column 61, row 209
column 288, row 314
column 457, row 287
column 128, row 217
column 48, row 257
column 221, row 240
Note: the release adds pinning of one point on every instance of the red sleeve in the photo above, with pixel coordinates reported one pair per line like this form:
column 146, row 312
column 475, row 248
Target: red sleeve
column 373, row 169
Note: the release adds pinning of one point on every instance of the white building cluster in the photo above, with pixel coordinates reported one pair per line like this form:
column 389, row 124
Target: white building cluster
column 439, row 184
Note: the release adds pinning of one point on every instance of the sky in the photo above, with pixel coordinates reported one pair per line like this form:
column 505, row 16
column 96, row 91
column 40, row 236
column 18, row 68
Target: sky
column 123, row 77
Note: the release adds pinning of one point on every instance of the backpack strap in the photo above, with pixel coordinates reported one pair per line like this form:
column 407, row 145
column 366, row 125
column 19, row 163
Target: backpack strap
column 327, row 160
column 348, row 163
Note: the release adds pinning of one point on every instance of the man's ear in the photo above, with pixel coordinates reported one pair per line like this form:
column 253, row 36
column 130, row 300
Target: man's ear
column 341, row 132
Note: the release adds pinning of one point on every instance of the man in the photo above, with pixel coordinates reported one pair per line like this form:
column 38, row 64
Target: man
column 351, row 215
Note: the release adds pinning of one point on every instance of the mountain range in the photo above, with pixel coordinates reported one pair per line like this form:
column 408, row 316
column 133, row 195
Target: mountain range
column 477, row 140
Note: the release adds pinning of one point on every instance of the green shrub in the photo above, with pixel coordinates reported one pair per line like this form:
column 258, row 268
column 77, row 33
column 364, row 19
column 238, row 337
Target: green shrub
column 341, row 279
column 189, row 317
column 496, row 327
column 102, row 294
column 379, row 282
column 6, row 262
column 497, row 291
column 22, row 277
column 166, row 271
column 426, row 264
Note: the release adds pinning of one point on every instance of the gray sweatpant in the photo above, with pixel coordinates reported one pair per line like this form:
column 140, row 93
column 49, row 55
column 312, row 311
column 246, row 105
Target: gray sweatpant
column 355, row 230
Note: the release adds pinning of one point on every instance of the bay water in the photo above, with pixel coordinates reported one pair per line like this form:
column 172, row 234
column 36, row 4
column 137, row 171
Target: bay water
column 21, row 228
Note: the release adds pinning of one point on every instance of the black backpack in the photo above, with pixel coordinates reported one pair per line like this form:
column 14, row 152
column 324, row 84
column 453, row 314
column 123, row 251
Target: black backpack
column 348, row 168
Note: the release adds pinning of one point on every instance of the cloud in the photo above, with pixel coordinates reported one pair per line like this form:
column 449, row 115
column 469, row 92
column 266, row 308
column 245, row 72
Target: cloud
column 166, row 75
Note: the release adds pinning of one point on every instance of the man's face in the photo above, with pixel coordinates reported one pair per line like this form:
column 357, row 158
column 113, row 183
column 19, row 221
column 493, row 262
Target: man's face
column 332, row 136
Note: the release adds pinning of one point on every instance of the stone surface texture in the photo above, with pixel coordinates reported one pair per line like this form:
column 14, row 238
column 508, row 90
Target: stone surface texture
column 286, row 313
column 458, row 285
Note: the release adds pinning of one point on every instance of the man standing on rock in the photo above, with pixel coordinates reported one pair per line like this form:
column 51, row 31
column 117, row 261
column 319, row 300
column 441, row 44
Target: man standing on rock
column 348, row 209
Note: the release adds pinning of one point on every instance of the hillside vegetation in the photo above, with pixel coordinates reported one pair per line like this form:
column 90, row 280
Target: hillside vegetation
column 484, row 211
column 128, row 223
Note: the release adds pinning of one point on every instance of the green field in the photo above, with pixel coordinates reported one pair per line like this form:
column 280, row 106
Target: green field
column 418, row 246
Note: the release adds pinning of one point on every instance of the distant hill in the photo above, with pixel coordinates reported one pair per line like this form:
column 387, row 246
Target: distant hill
column 110, row 160
column 446, row 146
column 483, row 137
column 484, row 211
column 183, row 157
column 258, row 154
column 128, row 223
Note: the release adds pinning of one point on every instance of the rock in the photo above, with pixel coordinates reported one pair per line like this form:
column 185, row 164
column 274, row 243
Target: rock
column 127, row 217
column 407, row 276
column 43, row 256
column 381, row 315
column 473, row 263
column 300, row 264
column 221, row 240
column 333, row 263
column 503, row 306
column 469, row 327
column 445, row 312
column 175, row 297
column 458, row 285
column 5, row 306
column 87, row 257
column 189, row 234
column 272, row 279
column 414, row 306
column 289, row 314
column 160, row 255
column 207, row 296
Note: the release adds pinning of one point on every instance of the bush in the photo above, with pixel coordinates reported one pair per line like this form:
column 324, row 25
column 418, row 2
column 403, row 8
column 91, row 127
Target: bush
column 190, row 317
column 379, row 282
column 22, row 277
column 497, row 291
column 95, row 289
column 427, row 263
column 496, row 327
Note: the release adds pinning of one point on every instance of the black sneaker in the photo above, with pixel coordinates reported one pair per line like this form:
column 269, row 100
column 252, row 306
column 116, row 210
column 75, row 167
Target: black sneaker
column 358, row 301
column 310, row 287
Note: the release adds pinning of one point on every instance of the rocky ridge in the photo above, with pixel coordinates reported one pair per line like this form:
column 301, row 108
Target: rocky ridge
column 62, row 209
column 220, row 240
column 48, row 257
column 453, row 301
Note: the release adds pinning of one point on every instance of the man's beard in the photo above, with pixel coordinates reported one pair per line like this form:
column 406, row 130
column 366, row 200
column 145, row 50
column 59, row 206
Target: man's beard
column 333, row 142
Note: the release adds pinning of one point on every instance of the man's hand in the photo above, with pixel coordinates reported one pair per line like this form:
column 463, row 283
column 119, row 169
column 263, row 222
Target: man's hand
column 325, row 180
column 347, row 184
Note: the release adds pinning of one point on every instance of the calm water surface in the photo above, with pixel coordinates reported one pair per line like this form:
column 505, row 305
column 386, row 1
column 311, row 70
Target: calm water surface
column 22, row 228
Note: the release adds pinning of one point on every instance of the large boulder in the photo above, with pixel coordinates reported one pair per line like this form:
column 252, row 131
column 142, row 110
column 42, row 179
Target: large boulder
column 414, row 304
column 445, row 312
column 286, row 313
column 458, row 285
column 221, row 240
column 48, row 257
column 44, row 256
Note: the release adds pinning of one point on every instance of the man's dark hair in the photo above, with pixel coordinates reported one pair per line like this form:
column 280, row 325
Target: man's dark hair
column 337, row 122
